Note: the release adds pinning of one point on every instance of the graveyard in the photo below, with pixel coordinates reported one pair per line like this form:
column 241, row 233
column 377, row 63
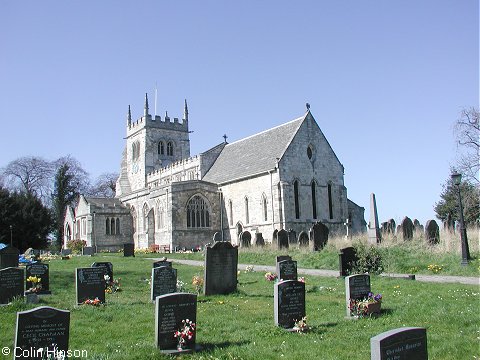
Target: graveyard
column 245, row 323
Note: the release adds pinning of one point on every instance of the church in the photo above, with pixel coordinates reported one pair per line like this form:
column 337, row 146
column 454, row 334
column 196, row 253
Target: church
column 287, row 177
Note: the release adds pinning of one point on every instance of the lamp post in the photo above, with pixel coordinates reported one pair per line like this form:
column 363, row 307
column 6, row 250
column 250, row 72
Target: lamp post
column 457, row 179
column 11, row 235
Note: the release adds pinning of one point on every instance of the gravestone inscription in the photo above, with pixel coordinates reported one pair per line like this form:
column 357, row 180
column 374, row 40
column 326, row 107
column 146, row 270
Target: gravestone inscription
column 12, row 284
column 9, row 257
column 406, row 343
column 43, row 333
column 357, row 287
column 90, row 284
column 107, row 268
column 40, row 270
column 221, row 263
column 287, row 270
column 163, row 281
column 289, row 303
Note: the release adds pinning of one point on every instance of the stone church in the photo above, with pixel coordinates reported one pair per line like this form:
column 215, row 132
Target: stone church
column 287, row 177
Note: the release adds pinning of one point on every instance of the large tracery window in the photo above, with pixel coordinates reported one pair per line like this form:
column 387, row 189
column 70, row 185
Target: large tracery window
column 198, row 213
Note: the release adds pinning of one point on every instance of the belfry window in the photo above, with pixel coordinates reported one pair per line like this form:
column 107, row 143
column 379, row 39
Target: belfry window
column 169, row 148
column 161, row 148
column 198, row 213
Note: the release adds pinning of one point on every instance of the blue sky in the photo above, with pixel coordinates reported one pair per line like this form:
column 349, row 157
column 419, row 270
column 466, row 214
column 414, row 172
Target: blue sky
column 386, row 81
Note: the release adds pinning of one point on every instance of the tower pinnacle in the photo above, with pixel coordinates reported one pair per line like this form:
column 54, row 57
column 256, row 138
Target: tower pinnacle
column 145, row 108
column 185, row 111
column 129, row 117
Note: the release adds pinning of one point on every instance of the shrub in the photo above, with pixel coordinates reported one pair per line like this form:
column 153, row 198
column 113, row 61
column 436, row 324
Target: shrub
column 76, row 245
column 369, row 259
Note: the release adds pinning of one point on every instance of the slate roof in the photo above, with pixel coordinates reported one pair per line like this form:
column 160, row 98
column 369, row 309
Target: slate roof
column 253, row 155
column 102, row 201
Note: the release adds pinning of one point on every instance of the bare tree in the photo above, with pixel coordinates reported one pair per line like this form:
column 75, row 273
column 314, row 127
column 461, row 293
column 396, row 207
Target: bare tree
column 105, row 185
column 467, row 132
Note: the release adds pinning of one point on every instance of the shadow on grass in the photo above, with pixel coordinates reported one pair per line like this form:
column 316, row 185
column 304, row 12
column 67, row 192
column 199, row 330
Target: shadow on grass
column 211, row 347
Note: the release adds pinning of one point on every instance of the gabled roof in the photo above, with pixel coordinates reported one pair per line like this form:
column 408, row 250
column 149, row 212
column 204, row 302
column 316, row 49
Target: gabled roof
column 103, row 201
column 253, row 155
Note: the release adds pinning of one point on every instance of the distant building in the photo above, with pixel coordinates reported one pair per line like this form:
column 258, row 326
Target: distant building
column 287, row 177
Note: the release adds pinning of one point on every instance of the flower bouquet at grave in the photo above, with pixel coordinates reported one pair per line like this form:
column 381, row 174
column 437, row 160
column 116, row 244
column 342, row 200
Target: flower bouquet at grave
column 94, row 302
column 36, row 284
column 184, row 334
column 112, row 286
column 301, row 325
column 197, row 282
column 270, row 276
column 367, row 306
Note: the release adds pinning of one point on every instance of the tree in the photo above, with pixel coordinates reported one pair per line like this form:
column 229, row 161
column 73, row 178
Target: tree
column 105, row 185
column 467, row 131
column 448, row 205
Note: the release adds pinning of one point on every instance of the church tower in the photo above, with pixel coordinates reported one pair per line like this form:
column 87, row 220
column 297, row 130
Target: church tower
column 153, row 143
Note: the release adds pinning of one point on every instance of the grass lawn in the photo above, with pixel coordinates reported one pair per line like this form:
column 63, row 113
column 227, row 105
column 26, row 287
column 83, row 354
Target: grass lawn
column 241, row 326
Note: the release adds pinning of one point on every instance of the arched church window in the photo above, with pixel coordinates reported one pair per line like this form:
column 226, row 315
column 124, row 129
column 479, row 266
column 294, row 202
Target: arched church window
column 314, row 199
column 135, row 150
column 112, row 226
column 297, row 203
column 169, row 148
column 198, row 213
column 107, row 226
column 161, row 148
column 68, row 233
column 310, row 151
column 330, row 201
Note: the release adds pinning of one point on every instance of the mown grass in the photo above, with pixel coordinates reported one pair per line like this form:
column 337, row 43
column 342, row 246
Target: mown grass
column 241, row 326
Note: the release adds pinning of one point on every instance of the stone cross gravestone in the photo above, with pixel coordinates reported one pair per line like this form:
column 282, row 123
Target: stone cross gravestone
column 289, row 303
column 43, row 332
column 357, row 287
column 221, row 263
column 282, row 239
column 107, row 268
column 90, row 284
column 346, row 260
column 9, row 257
column 287, row 270
column 170, row 310
column 129, row 250
column 162, row 263
column 41, row 271
column 163, row 281
column 88, row 250
column 318, row 236
column 12, row 284
column 406, row 343
column 432, row 232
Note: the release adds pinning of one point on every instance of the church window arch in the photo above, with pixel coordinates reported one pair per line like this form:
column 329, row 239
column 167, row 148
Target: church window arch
column 169, row 148
column 107, row 226
column 330, row 201
column 247, row 215
column 296, row 199
column 310, row 151
column 135, row 150
column 198, row 212
column 314, row 199
column 264, row 207
column 161, row 148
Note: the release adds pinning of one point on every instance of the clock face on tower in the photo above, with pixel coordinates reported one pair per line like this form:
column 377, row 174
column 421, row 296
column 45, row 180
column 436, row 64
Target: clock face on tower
column 135, row 167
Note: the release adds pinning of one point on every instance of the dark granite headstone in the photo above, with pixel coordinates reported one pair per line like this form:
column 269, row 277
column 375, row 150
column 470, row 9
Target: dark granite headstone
column 391, row 226
column 129, row 250
column 259, row 241
column 221, row 262
column 303, row 239
column 289, row 303
column 90, row 284
column 106, row 266
column 163, row 281
column 245, row 239
column 407, row 228
column 9, row 257
column 41, row 271
column 66, row 252
column 346, row 259
column 282, row 237
column 42, row 332
column 406, row 343
column 161, row 263
column 88, row 250
column 292, row 237
column 319, row 236
column 282, row 258
column 357, row 287
column 12, row 284
column 287, row 270
column 432, row 232
column 170, row 310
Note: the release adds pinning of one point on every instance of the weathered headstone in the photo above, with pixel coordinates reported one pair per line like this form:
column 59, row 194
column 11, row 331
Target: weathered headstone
column 66, row 252
column 292, row 237
column 282, row 238
column 88, row 250
column 163, row 281
column 221, row 262
column 391, row 226
column 43, row 333
column 282, row 258
column 129, row 250
column 245, row 239
column 289, row 303
column 318, row 236
column 259, row 241
column 346, row 260
column 162, row 262
column 12, row 284
column 287, row 270
column 432, row 232
column 374, row 236
column 407, row 228
column 9, row 257
column 417, row 227
column 40, row 270
column 106, row 266
column 406, row 343
column 217, row 237
column 275, row 239
column 170, row 310
column 303, row 239
column 90, row 284
column 357, row 287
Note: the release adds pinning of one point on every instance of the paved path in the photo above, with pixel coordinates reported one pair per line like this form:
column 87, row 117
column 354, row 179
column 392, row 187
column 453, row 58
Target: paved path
column 334, row 273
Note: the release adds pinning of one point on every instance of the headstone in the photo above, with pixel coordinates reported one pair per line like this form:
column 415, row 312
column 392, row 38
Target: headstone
column 384, row 228
column 41, row 271
column 417, row 227
column 163, row 262
column 289, row 303
column 43, row 332
column 107, row 268
column 90, row 284
column 318, row 236
column 259, row 241
column 245, row 239
column 129, row 250
column 282, row 258
column 221, row 262
column 432, row 232
column 287, row 270
column 292, row 237
column 12, row 284
column 217, row 237
column 88, row 250
column 66, row 252
column 9, row 257
column 275, row 239
column 407, row 228
column 170, row 310
column 163, row 281
column 346, row 260
column 303, row 239
column 357, row 287
column 391, row 225
column 406, row 343
column 282, row 238
column 374, row 236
